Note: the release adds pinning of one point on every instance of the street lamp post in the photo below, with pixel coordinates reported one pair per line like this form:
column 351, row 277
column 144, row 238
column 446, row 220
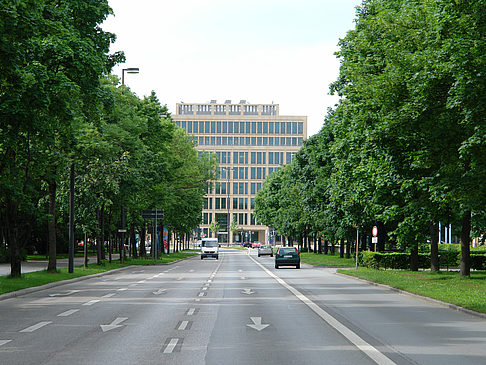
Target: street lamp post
column 228, row 171
column 130, row 70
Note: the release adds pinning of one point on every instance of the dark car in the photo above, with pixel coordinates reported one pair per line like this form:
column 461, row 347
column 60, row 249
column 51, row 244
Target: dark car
column 287, row 256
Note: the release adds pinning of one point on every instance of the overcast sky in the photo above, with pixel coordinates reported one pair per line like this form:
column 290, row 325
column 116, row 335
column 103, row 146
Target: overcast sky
column 262, row 51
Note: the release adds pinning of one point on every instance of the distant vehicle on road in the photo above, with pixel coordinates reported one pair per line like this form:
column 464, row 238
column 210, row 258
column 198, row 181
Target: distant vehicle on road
column 265, row 250
column 246, row 244
column 256, row 245
column 209, row 248
column 287, row 256
column 198, row 243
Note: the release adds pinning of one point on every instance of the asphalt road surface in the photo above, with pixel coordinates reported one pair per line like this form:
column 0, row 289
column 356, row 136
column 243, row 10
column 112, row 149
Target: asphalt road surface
column 235, row 310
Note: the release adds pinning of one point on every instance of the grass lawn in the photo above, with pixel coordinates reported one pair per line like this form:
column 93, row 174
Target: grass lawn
column 326, row 260
column 447, row 286
column 37, row 278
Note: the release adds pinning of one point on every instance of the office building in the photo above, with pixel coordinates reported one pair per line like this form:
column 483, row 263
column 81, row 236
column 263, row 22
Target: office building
column 251, row 141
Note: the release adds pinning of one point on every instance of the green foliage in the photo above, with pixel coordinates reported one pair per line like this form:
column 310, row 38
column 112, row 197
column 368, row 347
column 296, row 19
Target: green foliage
column 401, row 260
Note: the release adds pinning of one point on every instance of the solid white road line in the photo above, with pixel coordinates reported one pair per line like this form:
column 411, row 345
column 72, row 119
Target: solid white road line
column 171, row 346
column 35, row 327
column 68, row 313
column 371, row 351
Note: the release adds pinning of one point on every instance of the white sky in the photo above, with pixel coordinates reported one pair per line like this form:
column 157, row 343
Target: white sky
column 262, row 51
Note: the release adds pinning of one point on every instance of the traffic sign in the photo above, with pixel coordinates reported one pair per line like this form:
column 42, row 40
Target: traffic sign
column 375, row 231
column 153, row 214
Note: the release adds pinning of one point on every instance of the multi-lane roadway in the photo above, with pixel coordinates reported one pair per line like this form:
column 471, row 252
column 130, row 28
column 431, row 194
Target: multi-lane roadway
column 235, row 310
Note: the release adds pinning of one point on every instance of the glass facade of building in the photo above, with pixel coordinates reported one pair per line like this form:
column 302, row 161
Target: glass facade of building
column 251, row 141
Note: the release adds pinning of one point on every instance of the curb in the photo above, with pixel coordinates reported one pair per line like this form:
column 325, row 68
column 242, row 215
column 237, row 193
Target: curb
column 34, row 289
column 427, row 299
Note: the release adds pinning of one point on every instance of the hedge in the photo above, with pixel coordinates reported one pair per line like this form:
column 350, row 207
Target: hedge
column 401, row 260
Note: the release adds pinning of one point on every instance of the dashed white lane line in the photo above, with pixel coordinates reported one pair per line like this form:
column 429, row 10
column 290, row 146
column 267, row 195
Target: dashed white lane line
column 109, row 295
column 171, row 346
column 68, row 313
column 191, row 311
column 183, row 325
column 91, row 302
column 35, row 327
column 4, row 342
column 122, row 289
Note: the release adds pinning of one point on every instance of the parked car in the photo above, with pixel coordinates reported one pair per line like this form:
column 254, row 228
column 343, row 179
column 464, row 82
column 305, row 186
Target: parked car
column 197, row 243
column 287, row 256
column 265, row 250
column 209, row 248
column 256, row 245
column 246, row 244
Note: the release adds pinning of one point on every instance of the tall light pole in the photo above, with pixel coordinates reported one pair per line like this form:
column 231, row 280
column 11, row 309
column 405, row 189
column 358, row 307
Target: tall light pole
column 130, row 70
column 228, row 171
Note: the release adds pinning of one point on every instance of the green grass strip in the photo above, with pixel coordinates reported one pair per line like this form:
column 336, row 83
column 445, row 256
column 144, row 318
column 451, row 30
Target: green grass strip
column 446, row 286
column 37, row 278
column 326, row 260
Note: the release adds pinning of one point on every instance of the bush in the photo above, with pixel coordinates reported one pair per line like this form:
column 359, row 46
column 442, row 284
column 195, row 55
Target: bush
column 478, row 262
column 401, row 260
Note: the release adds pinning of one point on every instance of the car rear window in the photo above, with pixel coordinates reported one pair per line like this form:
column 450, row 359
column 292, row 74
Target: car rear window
column 286, row 250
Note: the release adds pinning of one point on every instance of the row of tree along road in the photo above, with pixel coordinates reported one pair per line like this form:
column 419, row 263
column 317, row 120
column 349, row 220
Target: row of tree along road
column 405, row 147
column 59, row 106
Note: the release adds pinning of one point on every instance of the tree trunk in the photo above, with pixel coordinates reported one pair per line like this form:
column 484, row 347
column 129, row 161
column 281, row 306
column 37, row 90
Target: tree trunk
column 319, row 247
column 414, row 262
column 12, row 236
column 381, row 237
column 51, row 226
column 348, row 249
column 142, row 250
column 133, row 241
column 341, row 248
column 326, row 247
column 465, row 245
column 434, row 247
column 333, row 248
column 98, row 238
column 102, row 228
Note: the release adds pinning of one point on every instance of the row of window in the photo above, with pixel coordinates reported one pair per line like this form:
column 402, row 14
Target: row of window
column 241, row 219
column 249, row 141
column 221, row 203
column 253, row 158
column 221, row 188
column 226, row 127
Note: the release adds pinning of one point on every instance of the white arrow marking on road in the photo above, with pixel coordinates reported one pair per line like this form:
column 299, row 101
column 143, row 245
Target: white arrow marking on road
column 257, row 323
column 3, row 342
column 113, row 325
column 64, row 294
column 68, row 313
column 35, row 327
column 160, row 291
column 248, row 291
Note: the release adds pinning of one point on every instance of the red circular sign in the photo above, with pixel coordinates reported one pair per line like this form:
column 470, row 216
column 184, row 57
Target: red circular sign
column 375, row 231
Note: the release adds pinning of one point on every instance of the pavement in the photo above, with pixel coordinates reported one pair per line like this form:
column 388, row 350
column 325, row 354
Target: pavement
column 30, row 266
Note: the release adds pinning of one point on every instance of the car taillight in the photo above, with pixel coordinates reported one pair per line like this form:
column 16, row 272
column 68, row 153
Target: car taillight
column 297, row 252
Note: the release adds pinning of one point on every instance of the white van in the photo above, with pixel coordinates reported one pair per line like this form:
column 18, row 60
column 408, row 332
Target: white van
column 209, row 248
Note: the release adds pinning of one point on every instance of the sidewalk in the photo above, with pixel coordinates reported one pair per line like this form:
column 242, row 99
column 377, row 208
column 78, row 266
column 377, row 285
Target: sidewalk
column 30, row 266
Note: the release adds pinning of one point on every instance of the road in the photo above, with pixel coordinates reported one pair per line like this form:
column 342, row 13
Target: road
column 235, row 310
